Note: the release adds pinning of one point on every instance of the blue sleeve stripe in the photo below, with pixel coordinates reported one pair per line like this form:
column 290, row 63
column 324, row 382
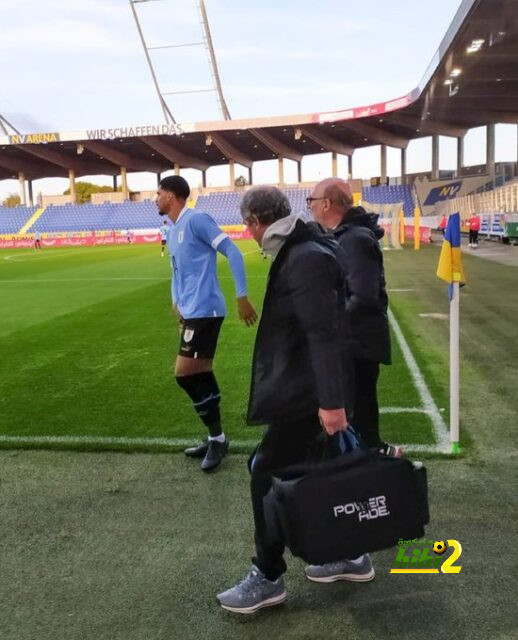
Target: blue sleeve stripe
column 218, row 240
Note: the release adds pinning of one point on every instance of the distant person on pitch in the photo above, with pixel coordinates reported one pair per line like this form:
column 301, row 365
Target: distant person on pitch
column 163, row 237
column 193, row 243
column 442, row 224
column 474, row 228
column 37, row 240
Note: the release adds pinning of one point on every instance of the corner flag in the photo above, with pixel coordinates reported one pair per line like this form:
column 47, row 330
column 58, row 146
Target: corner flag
column 450, row 265
column 450, row 269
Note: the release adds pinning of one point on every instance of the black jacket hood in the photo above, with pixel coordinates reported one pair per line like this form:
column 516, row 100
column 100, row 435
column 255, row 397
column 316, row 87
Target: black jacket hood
column 358, row 217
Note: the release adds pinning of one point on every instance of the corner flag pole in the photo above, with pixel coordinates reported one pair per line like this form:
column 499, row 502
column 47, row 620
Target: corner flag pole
column 450, row 270
column 454, row 368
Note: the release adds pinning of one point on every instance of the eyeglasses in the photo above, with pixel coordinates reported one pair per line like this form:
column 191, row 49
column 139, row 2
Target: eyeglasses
column 311, row 199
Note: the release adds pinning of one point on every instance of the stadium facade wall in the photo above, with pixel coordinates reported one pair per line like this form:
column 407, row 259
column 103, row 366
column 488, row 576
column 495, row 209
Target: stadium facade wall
column 45, row 201
column 433, row 193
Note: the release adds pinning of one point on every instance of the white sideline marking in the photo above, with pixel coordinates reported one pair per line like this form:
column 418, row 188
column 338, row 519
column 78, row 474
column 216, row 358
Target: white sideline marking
column 50, row 253
column 403, row 410
column 123, row 279
column 399, row 290
column 436, row 316
column 46, row 254
column 104, row 440
column 162, row 442
column 439, row 426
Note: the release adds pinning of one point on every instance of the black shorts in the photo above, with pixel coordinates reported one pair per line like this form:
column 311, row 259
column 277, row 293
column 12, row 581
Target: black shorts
column 199, row 337
column 163, row 242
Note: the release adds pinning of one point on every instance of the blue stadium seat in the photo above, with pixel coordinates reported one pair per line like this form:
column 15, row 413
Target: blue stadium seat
column 390, row 195
column 12, row 219
column 99, row 217
column 222, row 206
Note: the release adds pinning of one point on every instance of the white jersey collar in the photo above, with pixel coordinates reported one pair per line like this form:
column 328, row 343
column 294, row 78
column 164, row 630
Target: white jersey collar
column 186, row 208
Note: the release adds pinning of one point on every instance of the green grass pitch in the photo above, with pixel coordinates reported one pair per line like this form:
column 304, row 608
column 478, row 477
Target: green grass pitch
column 88, row 340
column 108, row 545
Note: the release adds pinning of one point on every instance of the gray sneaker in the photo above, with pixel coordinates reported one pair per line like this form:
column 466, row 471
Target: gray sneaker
column 216, row 451
column 342, row 570
column 198, row 451
column 253, row 593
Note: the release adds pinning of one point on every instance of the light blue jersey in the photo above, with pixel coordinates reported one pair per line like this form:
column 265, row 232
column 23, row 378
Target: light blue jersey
column 193, row 242
column 163, row 232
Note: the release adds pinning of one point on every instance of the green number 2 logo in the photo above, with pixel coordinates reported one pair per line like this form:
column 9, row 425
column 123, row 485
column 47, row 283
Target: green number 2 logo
column 446, row 566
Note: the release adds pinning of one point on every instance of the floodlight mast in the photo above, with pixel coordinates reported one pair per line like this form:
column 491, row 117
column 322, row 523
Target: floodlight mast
column 212, row 59
column 209, row 47
column 4, row 124
column 169, row 118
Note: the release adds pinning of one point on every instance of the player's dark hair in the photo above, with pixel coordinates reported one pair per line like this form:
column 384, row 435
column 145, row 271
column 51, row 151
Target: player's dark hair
column 177, row 185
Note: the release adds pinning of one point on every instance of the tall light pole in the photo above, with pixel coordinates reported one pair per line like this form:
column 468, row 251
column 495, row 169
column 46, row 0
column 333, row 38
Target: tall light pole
column 4, row 123
column 169, row 118
column 206, row 42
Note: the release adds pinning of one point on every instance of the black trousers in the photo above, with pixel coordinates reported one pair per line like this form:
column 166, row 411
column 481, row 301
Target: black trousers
column 283, row 445
column 366, row 409
column 473, row 236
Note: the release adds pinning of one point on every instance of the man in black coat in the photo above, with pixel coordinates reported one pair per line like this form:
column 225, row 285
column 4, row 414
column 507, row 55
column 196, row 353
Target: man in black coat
column 299, row 382
column 358, row 233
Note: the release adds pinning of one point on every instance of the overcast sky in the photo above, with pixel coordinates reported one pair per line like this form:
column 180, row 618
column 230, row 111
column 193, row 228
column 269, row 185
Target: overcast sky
column 68, row 65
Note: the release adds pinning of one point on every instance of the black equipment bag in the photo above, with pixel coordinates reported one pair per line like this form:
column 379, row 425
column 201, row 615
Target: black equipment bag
column 348, row 505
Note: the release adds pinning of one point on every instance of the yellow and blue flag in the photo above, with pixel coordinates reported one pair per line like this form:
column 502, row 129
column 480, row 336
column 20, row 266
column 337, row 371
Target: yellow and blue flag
column 450, row 264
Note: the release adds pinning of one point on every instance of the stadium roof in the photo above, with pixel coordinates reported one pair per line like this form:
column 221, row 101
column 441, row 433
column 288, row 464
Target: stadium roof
column 471, row 81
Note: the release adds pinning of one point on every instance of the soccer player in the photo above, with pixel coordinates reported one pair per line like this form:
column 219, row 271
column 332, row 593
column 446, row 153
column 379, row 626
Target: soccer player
column 193, row 242
column 37, row 240
column 163, row 237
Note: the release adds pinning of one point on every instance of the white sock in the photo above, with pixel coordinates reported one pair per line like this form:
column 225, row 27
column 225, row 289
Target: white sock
column 220, row 438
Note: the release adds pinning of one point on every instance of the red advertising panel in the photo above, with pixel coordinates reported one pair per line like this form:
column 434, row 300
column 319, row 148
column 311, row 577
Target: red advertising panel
column 237, row 232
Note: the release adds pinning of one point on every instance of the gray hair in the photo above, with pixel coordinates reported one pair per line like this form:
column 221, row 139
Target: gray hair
column 267, row 203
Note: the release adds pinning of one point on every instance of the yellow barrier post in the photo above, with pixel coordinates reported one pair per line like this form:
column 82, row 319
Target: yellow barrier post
column 417, row 228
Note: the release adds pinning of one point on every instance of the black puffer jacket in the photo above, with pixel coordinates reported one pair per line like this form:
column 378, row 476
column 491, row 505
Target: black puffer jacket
column 298, row 365
column 367, row 301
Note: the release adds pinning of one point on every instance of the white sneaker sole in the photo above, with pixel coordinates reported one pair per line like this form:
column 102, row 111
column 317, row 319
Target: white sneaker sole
column 265, row 603
column 350, row 577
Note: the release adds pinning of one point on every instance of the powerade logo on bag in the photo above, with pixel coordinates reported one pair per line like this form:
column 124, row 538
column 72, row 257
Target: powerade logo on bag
column 366, row 510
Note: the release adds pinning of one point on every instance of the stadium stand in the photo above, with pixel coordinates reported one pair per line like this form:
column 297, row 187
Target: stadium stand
column 222, row 206
column 390, row 195
column 297, row 198
column 92, row 217
column 12, row 219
